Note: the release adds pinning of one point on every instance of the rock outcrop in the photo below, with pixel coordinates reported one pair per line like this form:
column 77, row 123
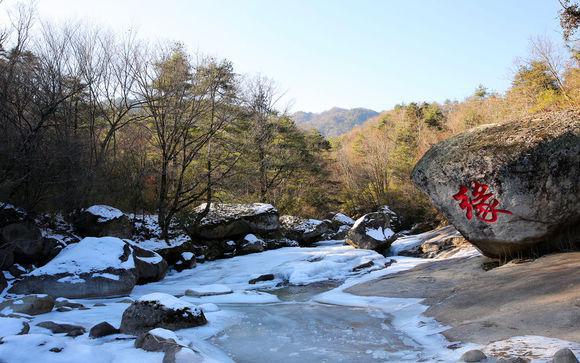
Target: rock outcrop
column 180, row 256
column 101, row 221
column 94, row 267
column 511, row 189
column 372, row 231
column 160, row 310
column 226, row 221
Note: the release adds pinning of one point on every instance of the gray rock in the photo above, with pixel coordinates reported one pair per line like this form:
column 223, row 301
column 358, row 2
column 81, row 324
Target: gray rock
column 103, row 329
column 510, row 189
column 261, row 278
column 474, row 355
column 251, row 244
column 150, row 265
column 179, row 354
column 156, row 340
column 29, row 304
column 160, row 311
column 181, row 257
column 305, row 231
column 234, row 220
column 101, row 221
column 58, row 328
column 565, row 355
column 363, row 266
column 62, row 302
column 63, row 309
column 372, row 231
column 117, row 280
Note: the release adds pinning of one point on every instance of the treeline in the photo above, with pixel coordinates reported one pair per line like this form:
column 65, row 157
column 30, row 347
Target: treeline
column 88, row 117
column 374, row 161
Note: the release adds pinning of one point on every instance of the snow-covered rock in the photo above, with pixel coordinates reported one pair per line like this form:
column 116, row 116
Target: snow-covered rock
column 251, row 244
column 160, row 310
column 208, row 290
column 158, row 340
column 180, row 256
column 305, row 231
column 29, row 305
column 94, row 267
column 233, row 220
column 150, row 265
column 102, row 220
column 372, row 231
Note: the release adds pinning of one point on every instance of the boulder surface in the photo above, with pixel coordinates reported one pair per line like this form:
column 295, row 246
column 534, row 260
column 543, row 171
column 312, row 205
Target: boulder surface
column 159, row 310
column 511, row 189
column 94, row 267
column 101, row 221
column 372, row 231
column 234, row 220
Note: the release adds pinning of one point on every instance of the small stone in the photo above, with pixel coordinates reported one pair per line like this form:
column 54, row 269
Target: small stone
column 363, row 266
column 56, row 349
column 102, row 329
column 99, row 304
column 56, row 328
column 266, row 277
column 63, row 309
column 474, row 355
column 565, row 355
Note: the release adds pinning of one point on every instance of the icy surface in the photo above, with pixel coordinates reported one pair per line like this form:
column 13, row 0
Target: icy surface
column 104, row 212
column 91, row 254
column 309, row 318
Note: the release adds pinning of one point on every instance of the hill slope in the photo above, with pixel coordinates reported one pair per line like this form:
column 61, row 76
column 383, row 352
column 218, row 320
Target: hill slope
column 335, row 121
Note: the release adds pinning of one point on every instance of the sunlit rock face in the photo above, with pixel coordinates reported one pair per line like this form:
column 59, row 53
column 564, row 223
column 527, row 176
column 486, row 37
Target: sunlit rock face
column 511, row 189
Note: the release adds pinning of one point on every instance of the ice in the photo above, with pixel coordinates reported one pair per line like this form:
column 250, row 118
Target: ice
column 208, row 290
column 91, row 254
column 104, row 212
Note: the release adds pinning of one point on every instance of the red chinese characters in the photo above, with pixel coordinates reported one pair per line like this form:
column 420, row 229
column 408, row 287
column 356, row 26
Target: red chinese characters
column 482, row 202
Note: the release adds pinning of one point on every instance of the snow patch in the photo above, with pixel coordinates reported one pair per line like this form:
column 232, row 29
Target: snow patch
column 104, row 212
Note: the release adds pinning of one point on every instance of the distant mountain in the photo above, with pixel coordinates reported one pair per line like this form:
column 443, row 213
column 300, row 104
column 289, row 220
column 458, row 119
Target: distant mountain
column 335, row 121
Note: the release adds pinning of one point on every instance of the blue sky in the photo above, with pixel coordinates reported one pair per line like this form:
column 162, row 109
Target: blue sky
column 327, row 53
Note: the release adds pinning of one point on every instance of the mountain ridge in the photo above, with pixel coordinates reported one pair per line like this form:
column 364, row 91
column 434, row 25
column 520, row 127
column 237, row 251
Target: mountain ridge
column 335, row 121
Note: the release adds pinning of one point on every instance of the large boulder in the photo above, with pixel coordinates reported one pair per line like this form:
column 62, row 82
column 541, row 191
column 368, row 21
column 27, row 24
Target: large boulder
column 159, row 310
column 511, row 189
column 372, row 231
column 94, row 267
column 234, row 220
column 305, row 231
column 150, row 265
column 29, row 304
column 101, row 221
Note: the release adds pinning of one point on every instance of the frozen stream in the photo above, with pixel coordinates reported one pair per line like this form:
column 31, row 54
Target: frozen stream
column 303, row 315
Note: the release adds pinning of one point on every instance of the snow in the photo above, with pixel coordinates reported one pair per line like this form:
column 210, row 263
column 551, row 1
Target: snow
column 168, row 334
column 106, row 276
column 72, row 280
column 152, row 260
column 343, row 218
column 251, row 238
column 10, row 326
column 220, row 212
column 91, row 254
column 538, row 348
column 379, row 234
column 187, row 255
column 104, row 212
column 205, row 290
column 168, row 301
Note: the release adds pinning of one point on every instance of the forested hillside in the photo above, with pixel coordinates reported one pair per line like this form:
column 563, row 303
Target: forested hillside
column 333, row 122
column 89, row 116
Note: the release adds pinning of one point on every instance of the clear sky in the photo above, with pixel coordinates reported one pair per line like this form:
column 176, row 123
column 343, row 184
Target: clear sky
column 355, row 53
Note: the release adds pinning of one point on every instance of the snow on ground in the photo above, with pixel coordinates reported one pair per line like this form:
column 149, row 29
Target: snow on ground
column 386, row 329
column 539, row 349
column 104, row 212
column 91, row 254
